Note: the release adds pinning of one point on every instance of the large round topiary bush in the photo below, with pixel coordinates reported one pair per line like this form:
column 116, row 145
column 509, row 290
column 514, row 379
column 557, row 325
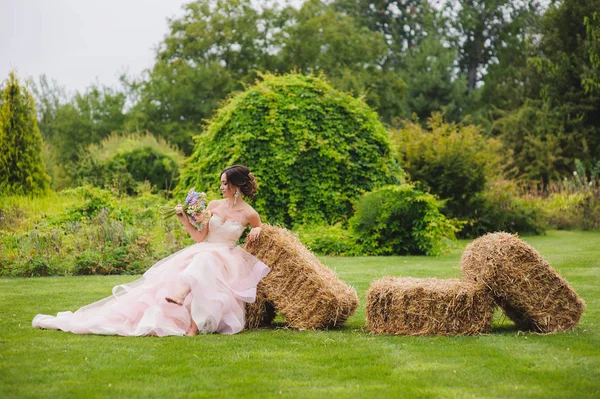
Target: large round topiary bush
column 313, row 149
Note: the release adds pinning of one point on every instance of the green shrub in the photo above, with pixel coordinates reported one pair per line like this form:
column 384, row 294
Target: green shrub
column 92, row 262
column 94, row 201
column 397, row 220
column 504, row 208
column 313, row 149
column 122, row 162
column 450, row 160
column 329, row 240
column 37, row 267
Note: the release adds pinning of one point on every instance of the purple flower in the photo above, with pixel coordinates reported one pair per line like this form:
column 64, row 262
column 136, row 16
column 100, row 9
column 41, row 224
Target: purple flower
column 192, row 195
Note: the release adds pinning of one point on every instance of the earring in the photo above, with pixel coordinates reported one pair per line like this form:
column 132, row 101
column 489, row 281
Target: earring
column 235, row 196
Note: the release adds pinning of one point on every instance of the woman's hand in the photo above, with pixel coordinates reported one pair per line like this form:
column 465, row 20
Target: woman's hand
column 181, row 214
column 254, row 233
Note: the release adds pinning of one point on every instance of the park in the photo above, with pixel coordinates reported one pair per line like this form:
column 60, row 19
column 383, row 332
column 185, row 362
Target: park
column 425, row 198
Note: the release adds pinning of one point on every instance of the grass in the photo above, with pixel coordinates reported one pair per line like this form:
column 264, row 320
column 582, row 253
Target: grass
column 346, row 362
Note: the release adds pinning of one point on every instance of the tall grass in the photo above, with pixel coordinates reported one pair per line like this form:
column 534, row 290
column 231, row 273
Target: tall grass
column 571, row 203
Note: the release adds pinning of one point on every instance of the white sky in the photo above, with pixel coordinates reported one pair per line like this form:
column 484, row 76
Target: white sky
column 76, row 42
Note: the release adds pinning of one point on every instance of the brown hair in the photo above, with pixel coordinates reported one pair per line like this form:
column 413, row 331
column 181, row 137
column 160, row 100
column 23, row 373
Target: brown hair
column 240, row 176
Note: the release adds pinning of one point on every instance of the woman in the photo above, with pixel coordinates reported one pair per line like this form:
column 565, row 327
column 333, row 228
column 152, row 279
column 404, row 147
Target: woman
column 201, row 288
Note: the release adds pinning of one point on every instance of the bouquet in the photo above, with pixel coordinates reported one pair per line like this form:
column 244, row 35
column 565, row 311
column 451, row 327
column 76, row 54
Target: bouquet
column 195, row 208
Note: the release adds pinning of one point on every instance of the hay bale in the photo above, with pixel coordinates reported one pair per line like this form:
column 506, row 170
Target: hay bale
column 260, row 313
column 428, row 306
column 306, row 292
column 522, row 283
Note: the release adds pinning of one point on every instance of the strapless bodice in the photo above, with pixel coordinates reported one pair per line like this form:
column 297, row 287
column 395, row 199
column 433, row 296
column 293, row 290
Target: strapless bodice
column 220, row 232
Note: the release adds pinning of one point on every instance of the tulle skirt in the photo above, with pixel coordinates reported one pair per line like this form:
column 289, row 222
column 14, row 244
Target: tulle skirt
column 222, row 280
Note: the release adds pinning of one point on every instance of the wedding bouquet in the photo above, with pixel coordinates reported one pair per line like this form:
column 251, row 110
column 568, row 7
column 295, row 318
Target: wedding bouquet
column 195, row 208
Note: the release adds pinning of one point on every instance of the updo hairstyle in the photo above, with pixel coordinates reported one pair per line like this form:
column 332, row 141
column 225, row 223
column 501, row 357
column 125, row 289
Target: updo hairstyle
column 241, row 177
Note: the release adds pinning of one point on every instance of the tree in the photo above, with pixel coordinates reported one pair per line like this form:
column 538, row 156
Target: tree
column 213, row 50
column 403, row 24
column 433, row 84
column 560, row 114
column 22, row 170
column 219, row 46
column 321, row 39
column 124, row 161
column 71, row 124
column 483, row 28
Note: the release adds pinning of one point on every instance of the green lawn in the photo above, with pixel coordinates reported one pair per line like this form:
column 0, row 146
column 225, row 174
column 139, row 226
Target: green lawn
column 348, row 362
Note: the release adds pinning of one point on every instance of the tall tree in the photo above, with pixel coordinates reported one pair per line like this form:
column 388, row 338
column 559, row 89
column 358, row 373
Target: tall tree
column 320, row 39
column 69, row 124
column 482, row 28
column 214, row 49
column 560, row 117
column 98, row 112
column 433, row 85
column 403, row 23
column 22, row 170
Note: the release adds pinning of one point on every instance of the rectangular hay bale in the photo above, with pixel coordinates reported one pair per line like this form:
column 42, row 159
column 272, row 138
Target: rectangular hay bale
column 529, row 291
column 306, row 292
column 428, row 306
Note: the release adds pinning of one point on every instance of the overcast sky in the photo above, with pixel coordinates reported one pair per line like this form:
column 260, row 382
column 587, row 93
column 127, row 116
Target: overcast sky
column 76, row 42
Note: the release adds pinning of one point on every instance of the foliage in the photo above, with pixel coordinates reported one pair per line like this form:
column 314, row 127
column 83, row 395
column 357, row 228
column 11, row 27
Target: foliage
column 453, row 161
column 71, row 124
column 87, row 231
column 352, row 56
column 535, row 134
column 218, row 47
column 567, row 211
column 124, row 161
column 403, row 23
column 501, row 64
column 22, row 169
column 433, row 88
column 558, row 120
column 419, row 52
column 483, row 28
column 571, row 203
column 329, row 240
column 209, row 52
column 503, row 208
column 313, row 149
column 398, row 220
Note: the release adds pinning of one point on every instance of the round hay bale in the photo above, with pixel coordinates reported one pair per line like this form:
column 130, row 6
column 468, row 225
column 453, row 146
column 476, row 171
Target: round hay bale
column 428, row 306
column 306, row 292
column 523, row 284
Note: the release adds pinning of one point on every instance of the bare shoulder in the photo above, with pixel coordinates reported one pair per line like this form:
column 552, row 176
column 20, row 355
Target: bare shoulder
column 252, row 216
column 214, row 204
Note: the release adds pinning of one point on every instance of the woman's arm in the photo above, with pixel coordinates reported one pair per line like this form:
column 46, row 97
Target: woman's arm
column 255, row 223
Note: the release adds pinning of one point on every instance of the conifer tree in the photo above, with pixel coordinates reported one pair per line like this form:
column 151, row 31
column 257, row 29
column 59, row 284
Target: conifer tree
column 22, row 169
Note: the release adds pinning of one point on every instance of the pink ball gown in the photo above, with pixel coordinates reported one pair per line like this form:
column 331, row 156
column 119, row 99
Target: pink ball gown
column 222, row 278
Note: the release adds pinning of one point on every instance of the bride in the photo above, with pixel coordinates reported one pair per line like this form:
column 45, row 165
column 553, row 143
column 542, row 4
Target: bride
column 202, row 288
